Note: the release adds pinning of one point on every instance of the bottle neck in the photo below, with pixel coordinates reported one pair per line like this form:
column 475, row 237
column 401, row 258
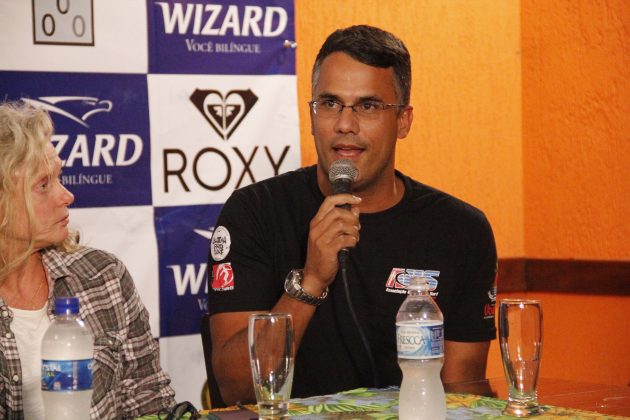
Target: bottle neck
column 417, row 292
column 66, row 316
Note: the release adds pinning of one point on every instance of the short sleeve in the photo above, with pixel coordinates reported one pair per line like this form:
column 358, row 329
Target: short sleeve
column 472, row 316
column 241, row 275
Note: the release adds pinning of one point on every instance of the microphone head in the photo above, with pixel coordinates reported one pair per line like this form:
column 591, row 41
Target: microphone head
column 342, row 169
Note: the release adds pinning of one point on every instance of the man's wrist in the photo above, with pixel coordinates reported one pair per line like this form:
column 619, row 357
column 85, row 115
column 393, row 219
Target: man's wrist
column 293, row 288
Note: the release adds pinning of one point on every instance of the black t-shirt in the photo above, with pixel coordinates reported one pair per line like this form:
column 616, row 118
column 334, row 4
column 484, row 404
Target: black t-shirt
column 262, row 234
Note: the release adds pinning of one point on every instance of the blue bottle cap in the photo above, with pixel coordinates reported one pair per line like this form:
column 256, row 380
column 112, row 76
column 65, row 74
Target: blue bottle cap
column 67, row 305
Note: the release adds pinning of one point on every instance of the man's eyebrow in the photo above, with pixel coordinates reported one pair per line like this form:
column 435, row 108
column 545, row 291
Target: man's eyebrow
column 333, row 97
column 371, row 98
column 328, row 96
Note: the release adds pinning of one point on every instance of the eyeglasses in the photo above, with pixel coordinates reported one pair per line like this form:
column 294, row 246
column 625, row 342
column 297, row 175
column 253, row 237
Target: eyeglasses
column 329, row 108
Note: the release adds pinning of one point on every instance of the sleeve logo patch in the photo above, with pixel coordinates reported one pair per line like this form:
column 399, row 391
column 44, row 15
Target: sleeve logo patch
column 220, row 243
column 222, row 277
column 492, row 294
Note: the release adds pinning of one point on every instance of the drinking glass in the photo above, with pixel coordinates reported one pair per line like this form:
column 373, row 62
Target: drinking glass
column 520, row 337
column 270, row 338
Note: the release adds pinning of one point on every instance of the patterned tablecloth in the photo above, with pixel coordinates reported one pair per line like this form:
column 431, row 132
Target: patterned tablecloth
column 382, row 404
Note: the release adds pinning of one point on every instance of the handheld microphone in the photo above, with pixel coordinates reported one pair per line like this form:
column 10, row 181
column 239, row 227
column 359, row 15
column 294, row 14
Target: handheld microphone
column 342, row 174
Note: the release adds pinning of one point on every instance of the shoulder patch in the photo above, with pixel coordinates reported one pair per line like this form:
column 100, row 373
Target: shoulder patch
column 220, row 243
column 222, row 277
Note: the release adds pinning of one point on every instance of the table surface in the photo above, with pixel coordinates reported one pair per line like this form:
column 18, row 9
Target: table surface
column 608, row 400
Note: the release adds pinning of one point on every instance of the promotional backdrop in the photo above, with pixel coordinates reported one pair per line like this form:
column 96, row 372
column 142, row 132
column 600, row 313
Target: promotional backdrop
column 161, row 109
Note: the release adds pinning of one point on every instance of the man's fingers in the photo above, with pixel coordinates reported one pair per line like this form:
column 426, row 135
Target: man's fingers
column 333, row 202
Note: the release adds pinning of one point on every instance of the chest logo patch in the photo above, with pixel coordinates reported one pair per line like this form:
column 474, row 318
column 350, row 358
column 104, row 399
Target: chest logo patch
column 220, row 243
column 399, row 278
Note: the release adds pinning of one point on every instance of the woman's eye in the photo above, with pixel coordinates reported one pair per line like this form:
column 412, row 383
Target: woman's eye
column 43, row 184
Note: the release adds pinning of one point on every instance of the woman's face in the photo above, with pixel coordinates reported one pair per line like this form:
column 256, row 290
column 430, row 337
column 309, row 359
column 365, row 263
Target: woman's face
column 50, row 204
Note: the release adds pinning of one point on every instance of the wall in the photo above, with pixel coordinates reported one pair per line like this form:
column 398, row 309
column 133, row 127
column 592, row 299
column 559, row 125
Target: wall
column 586, row 338
column 576, row 154
column 466, row 135
column 576, row 128
column 538, row 140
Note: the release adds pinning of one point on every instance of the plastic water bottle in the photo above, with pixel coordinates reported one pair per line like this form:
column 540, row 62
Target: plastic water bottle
column 420, row 344
column 67, row 354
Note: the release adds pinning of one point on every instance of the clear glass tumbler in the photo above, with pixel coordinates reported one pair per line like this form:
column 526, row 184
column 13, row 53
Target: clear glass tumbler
column 520, row 338
column 271, row 354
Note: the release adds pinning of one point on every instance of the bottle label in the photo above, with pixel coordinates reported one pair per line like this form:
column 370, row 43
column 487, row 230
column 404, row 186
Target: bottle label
column 420, row 341
column 66, row 375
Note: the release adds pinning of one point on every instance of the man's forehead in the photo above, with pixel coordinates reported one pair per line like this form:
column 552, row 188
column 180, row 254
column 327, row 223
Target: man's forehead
column 340, row 75
column 339, row 59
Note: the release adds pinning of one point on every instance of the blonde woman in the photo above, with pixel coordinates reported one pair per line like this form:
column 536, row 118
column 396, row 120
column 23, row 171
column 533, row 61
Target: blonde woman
column 40, row 259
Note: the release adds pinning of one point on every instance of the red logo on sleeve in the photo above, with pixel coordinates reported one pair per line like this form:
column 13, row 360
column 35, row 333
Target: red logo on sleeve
column 222, row 277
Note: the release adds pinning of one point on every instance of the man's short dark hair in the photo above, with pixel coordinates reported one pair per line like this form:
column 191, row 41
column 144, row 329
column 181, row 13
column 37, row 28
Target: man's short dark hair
column 374, row 47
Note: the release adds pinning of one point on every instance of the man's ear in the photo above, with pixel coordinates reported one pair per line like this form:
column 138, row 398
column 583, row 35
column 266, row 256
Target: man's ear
column 404, row 122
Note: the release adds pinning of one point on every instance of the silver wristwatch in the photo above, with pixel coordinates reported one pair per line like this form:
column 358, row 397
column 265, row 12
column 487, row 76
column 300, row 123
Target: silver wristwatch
column 293, row 288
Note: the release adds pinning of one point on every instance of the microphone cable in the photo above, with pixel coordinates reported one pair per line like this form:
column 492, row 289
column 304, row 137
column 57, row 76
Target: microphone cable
column 343, row 260
column 342, row 174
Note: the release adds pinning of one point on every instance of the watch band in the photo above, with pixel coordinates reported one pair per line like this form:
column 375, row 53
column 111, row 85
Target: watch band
column 293, row 288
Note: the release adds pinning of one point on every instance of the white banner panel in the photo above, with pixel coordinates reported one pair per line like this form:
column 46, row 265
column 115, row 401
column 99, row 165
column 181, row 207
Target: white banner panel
column 128, row 233
column 104, row 36
column 213, row 134
column 183, row 356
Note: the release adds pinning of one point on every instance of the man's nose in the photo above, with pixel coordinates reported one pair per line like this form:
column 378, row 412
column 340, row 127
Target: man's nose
column 347, row 121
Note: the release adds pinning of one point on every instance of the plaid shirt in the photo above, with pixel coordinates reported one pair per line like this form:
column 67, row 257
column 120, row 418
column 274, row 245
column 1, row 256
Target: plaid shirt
column 127, row 378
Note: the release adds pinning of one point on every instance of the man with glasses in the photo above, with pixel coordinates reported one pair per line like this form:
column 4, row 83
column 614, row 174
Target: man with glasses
column 394, row 228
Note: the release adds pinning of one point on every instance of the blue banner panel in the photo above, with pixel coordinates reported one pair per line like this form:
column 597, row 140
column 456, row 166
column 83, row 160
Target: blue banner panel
column 183, row 235
column 101, row 131
column 221, row 37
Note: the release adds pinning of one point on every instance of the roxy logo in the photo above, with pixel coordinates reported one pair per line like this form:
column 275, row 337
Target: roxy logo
column 224, row 113
column 76, row 108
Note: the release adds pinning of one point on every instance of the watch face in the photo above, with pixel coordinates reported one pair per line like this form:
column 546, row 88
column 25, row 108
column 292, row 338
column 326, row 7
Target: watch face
column 291, row 285
column 293, row 288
